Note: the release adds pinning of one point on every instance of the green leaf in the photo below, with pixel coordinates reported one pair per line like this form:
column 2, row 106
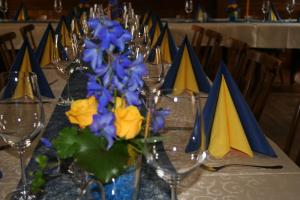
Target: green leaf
column 42, row 161
column 66, row 143
column 104, row 164
column 38, row 182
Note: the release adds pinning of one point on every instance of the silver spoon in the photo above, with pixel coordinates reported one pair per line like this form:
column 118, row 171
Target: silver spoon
column 217, row 168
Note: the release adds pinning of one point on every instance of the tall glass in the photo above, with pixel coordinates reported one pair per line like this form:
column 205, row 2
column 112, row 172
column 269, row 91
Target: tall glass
column 21, row 120
column 265, row 8
column 188, row 6
column 57, row 5
column 290, row 7
column 169, row 156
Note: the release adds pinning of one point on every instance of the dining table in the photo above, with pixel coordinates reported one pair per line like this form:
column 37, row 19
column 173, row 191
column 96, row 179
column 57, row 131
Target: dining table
column 257, row 34
column 284, row 34
column 235, row 182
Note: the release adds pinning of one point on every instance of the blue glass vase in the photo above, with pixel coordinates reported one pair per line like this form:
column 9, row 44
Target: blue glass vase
column 123, row 187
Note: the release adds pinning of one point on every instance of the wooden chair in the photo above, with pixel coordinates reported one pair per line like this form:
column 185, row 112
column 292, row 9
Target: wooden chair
column 197, row 38
column 7, row 49
column 294, row 129
column 26, row 32
column 256, row 77
column 3, row 80
column 234, row 53
column 292, row 133
column 210, row 60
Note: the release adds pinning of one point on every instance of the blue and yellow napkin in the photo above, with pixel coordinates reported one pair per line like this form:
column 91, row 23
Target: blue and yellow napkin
column 25, row 61
column 229, row 122
column 63, row 32
column 22, row 13
column 273, row 15
column 167, row 45
column 46, row 51
column 147, row 19
column 156, row 30
column 186, row 72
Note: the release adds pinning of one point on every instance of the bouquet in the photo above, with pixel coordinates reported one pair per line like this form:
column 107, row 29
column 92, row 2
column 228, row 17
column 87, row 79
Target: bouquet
column 108, row 126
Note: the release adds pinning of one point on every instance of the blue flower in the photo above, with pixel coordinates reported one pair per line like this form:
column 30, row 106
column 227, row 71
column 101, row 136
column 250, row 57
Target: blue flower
column 94, row 56
column 132, row 98
column 103, row 125
column 45, row 142
column 158, row 119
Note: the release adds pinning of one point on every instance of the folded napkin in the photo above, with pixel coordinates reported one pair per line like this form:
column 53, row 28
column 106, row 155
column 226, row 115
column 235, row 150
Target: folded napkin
column 73, row 22
column 22, row 13
column 167, row 45
column 232, row 4
column 63, row 32
column 147, row 19
column 155, row 30
column 25, row 61
column 46, row 52
column 186, row 72
column 273, row 15
column 229, row 122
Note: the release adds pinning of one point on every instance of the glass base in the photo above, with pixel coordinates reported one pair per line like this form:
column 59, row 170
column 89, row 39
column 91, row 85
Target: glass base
column 20, row 195
column 64, row 102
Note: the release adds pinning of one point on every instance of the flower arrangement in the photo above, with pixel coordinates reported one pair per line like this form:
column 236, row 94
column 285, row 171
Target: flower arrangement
column 232, row 9
column 107, row 134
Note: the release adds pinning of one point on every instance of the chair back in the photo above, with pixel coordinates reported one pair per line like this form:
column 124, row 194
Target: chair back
column 26, row 32
column 256, row 77
column 197, row 38
column 3, row 80
column 234, row 54
column 7, row 49
column 211, row 57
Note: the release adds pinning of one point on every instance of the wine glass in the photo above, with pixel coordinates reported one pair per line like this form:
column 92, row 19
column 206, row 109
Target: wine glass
column 265, row 8
column 290, row 7
column 156, row 74
column 169, row 156
column 66, row 68
column 58, row 6
column 188, row 7
column 21, row 119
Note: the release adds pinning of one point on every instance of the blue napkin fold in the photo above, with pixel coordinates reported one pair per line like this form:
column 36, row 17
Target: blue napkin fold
column 22, row 13
column 166, row 34
column 199, row 75
column 254, row 134
column 45, row 90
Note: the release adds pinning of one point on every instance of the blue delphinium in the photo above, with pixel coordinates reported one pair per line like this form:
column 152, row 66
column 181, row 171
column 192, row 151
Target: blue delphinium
column 114, row 73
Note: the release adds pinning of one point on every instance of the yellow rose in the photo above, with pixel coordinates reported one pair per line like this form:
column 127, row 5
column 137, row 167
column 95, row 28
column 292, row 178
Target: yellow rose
column 128, row 122
column 82, row 111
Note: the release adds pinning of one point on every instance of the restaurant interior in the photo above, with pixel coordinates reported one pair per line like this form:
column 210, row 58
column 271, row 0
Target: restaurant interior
column 186, row 99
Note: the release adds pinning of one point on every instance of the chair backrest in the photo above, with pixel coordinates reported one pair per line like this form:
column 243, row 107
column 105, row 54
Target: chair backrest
column 3, row 79
column 7, row 49
column 26, row 32
column 256, row 77
column 210, row 60
column 197, row 38
column 234, row 54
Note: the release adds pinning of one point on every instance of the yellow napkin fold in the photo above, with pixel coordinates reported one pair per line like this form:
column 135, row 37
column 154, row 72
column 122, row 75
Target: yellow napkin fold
column 24, row 88
column 165, row 49
column 156, row 35
column 21, row 16
column 50, row 53
column 65, row 35
column 227, row 130
column 185, row 79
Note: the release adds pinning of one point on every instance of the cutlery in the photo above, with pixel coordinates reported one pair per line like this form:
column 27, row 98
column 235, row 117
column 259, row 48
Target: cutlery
column 51, row 83
column 218, row 168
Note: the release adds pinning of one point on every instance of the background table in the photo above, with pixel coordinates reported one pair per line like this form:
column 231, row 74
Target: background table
column 257, row 35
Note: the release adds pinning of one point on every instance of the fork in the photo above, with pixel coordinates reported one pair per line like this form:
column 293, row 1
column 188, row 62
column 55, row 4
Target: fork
column 218, row 168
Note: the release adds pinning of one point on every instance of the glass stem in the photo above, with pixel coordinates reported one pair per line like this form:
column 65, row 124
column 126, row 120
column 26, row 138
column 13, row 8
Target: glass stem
column 22, row 164
column 68, row 89
column 173, row 187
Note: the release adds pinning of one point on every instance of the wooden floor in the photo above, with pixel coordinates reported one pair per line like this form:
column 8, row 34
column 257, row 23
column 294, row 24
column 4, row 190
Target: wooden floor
column 277, row 115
